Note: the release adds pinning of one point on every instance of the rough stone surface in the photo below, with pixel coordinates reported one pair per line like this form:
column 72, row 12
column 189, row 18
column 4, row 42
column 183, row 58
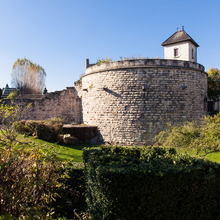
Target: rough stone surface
column 65, row 104
column 132, row 101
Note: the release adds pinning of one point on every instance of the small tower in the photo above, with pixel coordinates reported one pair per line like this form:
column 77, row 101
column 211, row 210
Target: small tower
column 180, row 46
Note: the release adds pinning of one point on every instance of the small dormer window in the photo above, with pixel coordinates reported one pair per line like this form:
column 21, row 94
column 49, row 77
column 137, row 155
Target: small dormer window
column 192, row 53
column 176, row 52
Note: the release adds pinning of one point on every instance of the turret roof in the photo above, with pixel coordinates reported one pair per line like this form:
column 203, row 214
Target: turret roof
column 177, row 37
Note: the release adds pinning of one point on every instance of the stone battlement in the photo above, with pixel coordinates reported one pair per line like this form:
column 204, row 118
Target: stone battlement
column 142, row 63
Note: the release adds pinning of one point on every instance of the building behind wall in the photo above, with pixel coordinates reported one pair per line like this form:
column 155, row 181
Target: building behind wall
column 6, row 91
column 180, row 46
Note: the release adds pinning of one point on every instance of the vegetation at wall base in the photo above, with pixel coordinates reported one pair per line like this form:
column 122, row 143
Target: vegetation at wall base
column 201, row 137
column 48, row 130
column 33, row 177
column 26, row 191
column 122, row 182
column 150, row 183
column 72, row 193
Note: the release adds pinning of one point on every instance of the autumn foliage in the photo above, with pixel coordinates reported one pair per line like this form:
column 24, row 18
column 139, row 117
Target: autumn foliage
column 28, row 77
column 28, row 173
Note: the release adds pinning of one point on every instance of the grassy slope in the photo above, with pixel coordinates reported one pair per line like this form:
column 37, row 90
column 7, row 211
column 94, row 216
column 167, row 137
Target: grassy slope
column 75, row 152
column 64, row 151
column 214, row 157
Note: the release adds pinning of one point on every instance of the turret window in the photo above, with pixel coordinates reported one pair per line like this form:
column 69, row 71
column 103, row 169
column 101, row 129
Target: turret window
column 176, row 52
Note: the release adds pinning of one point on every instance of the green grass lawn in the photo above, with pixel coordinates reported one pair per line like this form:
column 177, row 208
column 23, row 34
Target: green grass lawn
column 214, row 157
column 64, row 151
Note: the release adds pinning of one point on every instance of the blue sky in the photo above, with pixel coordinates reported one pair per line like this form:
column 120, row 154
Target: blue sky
column 60, row 35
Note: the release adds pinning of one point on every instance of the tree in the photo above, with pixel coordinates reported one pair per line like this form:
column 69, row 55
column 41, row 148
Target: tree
column 201, row 137
column 28, row 77
column 45, row 91
column 214, row 83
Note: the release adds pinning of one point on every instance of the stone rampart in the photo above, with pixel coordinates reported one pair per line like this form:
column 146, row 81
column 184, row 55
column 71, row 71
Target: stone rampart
column 65, row 104
column 131, row 101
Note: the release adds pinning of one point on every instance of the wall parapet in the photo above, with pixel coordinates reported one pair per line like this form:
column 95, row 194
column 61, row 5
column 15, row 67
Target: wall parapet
column 142, row 63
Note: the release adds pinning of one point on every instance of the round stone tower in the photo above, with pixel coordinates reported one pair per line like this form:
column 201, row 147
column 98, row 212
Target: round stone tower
column 131, row 101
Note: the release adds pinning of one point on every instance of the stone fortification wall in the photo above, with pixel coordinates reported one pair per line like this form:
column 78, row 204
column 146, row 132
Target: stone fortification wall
column 65, row 104
column 133, row 100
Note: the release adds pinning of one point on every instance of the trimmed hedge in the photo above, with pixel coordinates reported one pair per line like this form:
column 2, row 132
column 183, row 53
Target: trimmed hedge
column 48, row 130
column 71, row 194
column 150, row 183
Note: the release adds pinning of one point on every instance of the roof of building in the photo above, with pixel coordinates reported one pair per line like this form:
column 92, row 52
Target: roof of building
column 177, row 37
column 6, row 91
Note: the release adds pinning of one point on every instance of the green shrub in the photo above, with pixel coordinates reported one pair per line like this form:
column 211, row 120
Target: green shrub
column 7, row 217
column 54, row 121
column 10, row 113
column 20, row 127
column 202, row 136
column 27, row 176
column 103, row 60
column 72, row 193
column 150, row 183
column 48, row 130
column 12, row 95
column 28, row 172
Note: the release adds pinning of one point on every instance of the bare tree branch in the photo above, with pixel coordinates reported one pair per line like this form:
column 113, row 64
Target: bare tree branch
column 28, row 77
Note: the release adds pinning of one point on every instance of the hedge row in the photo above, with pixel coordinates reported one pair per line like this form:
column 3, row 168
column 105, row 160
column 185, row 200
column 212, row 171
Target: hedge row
column 47, row 130
column 150, row 183
column 72, row 193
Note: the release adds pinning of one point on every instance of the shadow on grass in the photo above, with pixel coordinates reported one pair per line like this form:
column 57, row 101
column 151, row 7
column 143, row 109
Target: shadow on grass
column 64, row 151
column 79, row 146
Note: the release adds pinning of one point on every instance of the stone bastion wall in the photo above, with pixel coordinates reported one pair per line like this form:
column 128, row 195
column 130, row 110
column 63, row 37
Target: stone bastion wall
column 131, row 101
column 65, row 104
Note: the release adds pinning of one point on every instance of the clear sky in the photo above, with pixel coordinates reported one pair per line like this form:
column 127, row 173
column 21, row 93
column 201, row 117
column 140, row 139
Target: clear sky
column 60, row 35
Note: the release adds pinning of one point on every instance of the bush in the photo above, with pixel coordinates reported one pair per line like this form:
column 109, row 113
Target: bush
column 28, row 172
column 203, row 136
column 10, row 113
column 72, row 193
column 12, row 95
column 150, row 183
column 103, row 60
column 48, row 130
column 20, row 127
column 28, row 178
